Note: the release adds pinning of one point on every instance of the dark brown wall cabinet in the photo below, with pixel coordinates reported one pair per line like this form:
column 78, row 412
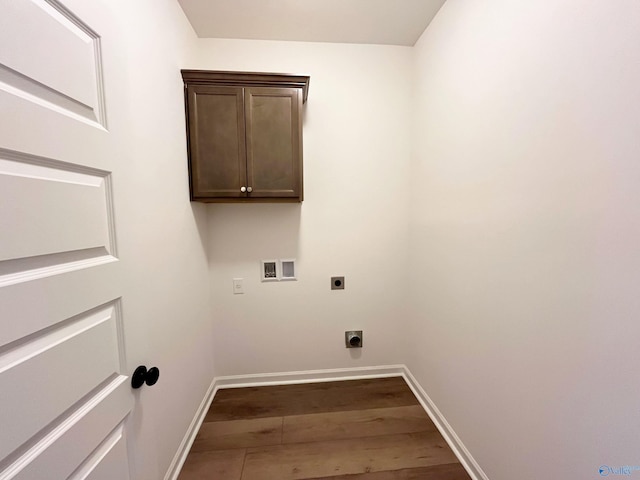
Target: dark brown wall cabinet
column 244, row 134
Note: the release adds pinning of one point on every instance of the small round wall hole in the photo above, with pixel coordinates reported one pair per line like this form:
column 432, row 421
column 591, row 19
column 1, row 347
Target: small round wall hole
column 337, row 283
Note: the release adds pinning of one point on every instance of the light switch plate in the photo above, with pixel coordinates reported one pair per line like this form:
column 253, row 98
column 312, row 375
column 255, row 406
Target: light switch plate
column 238, row 286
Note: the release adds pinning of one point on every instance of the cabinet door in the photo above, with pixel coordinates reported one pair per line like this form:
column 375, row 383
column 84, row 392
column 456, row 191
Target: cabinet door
column 216, row 141
column 274, row 142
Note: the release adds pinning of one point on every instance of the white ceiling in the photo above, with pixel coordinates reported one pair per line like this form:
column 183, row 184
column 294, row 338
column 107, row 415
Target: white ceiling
column 390, row 22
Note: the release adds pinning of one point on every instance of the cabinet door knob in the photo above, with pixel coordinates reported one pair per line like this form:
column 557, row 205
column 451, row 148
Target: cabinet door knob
column 243, row 189
column 249, row 189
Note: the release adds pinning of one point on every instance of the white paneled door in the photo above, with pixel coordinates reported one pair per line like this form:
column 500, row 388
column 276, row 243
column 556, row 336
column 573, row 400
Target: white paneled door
column 65, row 396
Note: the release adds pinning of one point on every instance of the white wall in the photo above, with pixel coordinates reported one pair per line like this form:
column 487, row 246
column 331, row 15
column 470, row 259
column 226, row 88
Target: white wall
column 353, row 221
column 160, row 234
column 525, row 232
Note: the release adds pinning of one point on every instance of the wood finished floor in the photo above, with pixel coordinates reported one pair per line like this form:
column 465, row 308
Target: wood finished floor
column 348, row 430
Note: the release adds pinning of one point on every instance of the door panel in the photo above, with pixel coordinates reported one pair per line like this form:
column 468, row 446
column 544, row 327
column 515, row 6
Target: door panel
column 216, row 143
column 274, row 150
column 86, row 355
column 78, row 436
column 108, row 461
column 47, row 195
column 33, row 300
column 70, row 83
column 64, row 390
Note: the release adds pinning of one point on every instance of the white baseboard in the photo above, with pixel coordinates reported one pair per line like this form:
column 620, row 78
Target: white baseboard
column 460, row 451
column 316, row 376
column 309, row 376
column 183, row 450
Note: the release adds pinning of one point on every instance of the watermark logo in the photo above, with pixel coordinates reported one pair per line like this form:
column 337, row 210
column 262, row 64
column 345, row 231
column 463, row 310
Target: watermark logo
column 606, row 470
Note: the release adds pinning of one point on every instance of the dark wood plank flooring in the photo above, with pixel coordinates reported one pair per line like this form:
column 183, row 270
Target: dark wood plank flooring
column 349, row 430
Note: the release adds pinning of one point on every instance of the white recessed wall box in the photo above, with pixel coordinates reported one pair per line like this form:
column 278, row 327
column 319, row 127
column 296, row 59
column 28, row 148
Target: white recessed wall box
column 288, row 269
column 269, row 271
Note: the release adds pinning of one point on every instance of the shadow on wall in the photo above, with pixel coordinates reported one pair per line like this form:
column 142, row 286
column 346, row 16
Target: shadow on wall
column 202, row 225
column 238, row 232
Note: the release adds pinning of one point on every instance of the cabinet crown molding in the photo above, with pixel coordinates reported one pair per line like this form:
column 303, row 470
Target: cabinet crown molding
column 247, row 79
